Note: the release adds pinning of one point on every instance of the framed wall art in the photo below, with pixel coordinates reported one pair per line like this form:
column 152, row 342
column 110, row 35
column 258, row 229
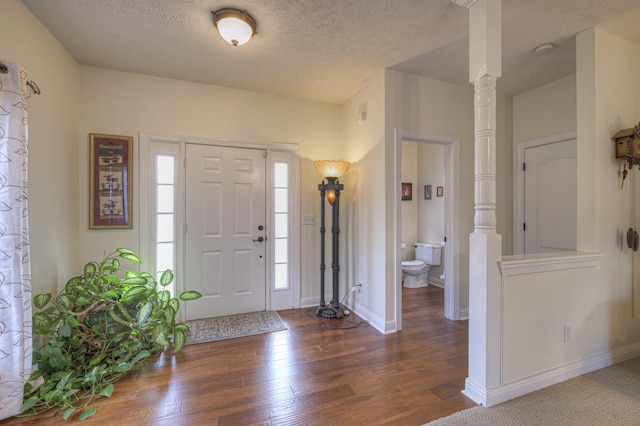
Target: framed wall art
column 440, row 191
column 406, row 191
column 110, row 172
column 427, row 192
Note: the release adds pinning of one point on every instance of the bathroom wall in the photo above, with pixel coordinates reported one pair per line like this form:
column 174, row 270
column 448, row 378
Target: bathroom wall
column 410, row 208
column 431, row 213
column 423, row 220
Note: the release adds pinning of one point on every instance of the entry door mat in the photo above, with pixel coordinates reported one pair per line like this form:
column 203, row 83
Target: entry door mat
column 231, row 326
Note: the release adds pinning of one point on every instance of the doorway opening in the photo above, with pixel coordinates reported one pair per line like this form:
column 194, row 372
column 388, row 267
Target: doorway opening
column 449, row 191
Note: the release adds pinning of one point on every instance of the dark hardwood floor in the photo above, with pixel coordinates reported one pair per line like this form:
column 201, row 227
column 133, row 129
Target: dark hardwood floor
column 314, row 373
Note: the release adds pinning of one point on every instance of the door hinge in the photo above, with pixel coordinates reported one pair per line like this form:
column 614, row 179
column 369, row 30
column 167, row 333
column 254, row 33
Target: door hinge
column 264, row 153
column 184, row 229
column 524, row 167
column 185, row 163
column 524, row 226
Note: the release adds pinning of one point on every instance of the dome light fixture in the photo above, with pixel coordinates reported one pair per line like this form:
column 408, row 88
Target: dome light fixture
column 544, row 49
column 234, row 25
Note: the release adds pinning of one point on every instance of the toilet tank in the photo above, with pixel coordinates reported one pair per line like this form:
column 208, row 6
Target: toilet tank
column 430, row 254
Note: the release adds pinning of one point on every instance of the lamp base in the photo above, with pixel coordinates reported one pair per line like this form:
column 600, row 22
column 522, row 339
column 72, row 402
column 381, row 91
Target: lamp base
column 330, row 311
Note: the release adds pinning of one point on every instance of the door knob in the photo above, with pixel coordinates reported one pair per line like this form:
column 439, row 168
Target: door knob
column 259, row 240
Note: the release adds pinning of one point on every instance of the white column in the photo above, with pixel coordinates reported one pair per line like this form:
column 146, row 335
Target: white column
column 485, row 244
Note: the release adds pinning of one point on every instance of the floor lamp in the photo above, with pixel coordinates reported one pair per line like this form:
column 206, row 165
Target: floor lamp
column 331, row 171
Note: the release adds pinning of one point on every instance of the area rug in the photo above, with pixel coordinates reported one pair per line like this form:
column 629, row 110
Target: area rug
column 229, row 327
column 610, row 396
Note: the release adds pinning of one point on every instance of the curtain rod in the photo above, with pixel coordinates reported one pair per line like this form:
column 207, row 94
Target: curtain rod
column 30, row 83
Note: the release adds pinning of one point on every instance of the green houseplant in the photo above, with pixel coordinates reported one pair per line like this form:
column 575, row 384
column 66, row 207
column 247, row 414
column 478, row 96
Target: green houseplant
column 99, row 327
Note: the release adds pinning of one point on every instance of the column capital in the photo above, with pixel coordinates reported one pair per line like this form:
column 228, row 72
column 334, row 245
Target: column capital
column 464, row 3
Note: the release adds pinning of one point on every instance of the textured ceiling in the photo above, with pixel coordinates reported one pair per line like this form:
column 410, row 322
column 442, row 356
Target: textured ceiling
column 324, row 50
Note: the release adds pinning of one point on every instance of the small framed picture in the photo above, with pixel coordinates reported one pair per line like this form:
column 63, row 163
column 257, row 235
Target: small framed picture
column 406, row 191
column 440, row 191
column 110, row 162
column 427, row 192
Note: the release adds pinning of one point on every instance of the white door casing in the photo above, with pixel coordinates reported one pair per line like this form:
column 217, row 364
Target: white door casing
column 225, row 217
column 546, row 208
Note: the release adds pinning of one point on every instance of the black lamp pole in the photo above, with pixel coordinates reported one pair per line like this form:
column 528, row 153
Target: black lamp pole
column 322, row 306
column 332, row 187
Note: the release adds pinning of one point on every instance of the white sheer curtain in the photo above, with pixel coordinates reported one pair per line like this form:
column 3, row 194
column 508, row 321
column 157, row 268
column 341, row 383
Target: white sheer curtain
column 15, row 274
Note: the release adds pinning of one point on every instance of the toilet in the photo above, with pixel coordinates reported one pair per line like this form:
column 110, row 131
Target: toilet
column 416, row 271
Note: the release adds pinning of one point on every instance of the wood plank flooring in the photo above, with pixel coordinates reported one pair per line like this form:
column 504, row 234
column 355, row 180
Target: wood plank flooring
column 317, row 372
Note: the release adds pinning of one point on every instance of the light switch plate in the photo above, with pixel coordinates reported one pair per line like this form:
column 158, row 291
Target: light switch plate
column 308, row 219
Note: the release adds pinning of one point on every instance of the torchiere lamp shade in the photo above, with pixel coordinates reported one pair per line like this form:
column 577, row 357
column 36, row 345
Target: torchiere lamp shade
column 332, row 168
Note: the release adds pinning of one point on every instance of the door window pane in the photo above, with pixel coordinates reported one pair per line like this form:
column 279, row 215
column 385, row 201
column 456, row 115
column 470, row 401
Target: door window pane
column 282, row 225
column 281, row 175
column 165, row 228
column 281, row 222
column 165, row 198
column 165, row 214
column 281, row 204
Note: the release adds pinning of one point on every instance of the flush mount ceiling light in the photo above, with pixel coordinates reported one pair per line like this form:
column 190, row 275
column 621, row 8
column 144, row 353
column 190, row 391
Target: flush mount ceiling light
column 543, row 49
column 234, row 25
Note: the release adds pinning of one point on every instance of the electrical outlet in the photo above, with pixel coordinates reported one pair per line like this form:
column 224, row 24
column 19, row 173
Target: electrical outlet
column 568, row 333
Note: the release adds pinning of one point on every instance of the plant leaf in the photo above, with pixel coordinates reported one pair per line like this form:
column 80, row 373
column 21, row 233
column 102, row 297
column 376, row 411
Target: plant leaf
column 141, row 355
column 135, row 281
column 73, row 322
column 82, row 301
column 179, row 339
column 175, row 304
column 41, row 300
column 182, row 327
column 29, row 403
column 68, row 413
column 108, row 293
column 130, row 256
column 144, row 313
column 166, row 278
column 65, row 330
column 190, row 295
column 87, row 413
column 108, row 391
column 90, row 268
column 133, row 293
column 63, row 299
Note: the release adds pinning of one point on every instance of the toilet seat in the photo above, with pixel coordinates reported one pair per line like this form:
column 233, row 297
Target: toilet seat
column 412, row 265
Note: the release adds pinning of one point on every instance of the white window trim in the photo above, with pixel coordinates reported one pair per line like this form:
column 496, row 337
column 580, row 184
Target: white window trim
column 276, row 152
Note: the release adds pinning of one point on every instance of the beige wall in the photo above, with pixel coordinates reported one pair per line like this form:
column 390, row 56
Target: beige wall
column 124, row 104
column 431, row 213
column 409, row 209
column 545, row 111
column 53, row 157
column 364, row 146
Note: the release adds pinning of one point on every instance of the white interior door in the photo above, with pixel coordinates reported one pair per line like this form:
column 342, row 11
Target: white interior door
column 550, row 200
column 225, row 232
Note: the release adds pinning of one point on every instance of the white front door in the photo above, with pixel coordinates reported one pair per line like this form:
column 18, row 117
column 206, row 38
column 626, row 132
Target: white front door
column 225, row 230
column 550, row 200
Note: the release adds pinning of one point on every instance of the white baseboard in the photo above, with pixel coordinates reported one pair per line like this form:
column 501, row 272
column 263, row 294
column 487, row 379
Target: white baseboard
column 464, row 314
column 373, row 320
column 435, row 281
column 309, row 302
column 490, row 397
